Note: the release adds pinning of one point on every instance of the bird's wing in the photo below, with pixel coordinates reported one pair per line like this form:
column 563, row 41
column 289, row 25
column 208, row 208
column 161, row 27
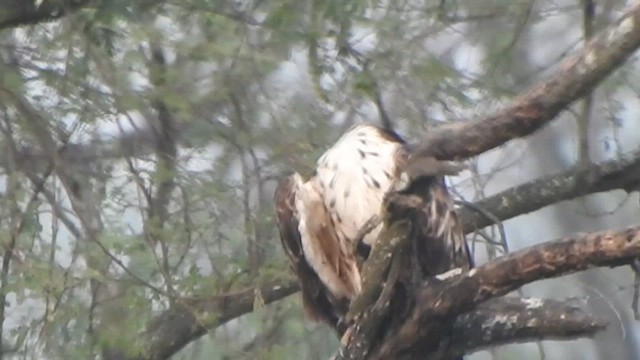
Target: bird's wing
column 318, row 303
column 334, row 262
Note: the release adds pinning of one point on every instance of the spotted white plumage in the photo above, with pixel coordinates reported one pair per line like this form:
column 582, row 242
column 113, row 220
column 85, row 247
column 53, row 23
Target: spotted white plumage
column 351, row 180
column 355, row 174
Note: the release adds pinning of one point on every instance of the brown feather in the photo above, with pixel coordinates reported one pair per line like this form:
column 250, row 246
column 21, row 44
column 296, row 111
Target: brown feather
column 317, row 302
column 437, row 234
column 322, row 248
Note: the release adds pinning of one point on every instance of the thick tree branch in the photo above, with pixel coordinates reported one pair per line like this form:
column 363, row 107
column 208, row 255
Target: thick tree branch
column 15, row 13
column 438, row 301
column 575, row 77
column 508, row 320
column 579, row 181
column 189, row 320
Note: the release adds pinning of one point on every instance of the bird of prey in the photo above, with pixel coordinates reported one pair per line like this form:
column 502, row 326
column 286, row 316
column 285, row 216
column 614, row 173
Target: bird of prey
column 319, row 218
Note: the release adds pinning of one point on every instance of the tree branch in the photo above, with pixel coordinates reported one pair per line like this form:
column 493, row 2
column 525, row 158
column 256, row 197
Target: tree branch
column 190, row 319
column 511, row 319
column 423, row 331
column 574, row 78
column 166, row 164
column 578, row 181
column 16, row 13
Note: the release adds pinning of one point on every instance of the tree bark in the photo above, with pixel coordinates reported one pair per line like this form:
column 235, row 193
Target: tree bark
column 622, row 174
column 427, row 329
column 508, row 320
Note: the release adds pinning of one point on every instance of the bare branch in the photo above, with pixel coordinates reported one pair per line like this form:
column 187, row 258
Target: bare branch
column 426, row 326
column 574, row 78
column 514, row 319
column 189, row 320
column 579, row 181
column 508, row 320
column 368, row 227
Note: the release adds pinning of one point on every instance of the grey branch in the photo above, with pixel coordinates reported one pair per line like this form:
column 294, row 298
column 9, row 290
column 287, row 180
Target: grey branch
column 435, row 302
column 513, row 319
column 575, row 77
column 578, row 181
column 510, row 320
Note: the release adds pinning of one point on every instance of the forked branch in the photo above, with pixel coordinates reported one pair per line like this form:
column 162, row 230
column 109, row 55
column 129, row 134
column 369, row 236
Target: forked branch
column 438, row 301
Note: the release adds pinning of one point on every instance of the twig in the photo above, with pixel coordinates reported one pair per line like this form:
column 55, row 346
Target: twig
column 368, row 227
column 494, row 219
column 635, row 265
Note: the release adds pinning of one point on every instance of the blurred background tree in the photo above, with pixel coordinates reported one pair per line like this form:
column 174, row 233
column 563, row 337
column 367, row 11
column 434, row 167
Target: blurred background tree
column 141, row 142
